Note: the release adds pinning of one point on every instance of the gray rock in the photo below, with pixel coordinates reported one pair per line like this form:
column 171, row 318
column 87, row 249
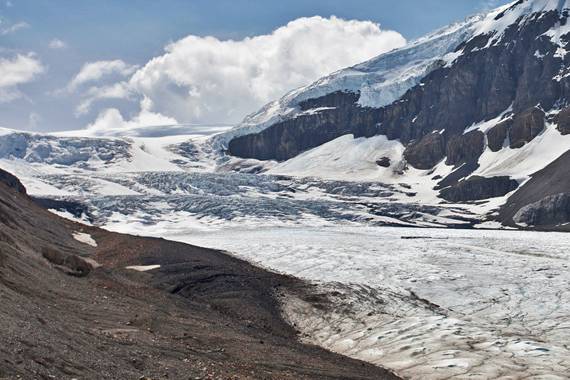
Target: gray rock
column 526, row 126
column 479, row 188
column 427, row 152
column 497, row 135
column 552, row 210
column 384, row 162
column 563, row 121
column 465, row 148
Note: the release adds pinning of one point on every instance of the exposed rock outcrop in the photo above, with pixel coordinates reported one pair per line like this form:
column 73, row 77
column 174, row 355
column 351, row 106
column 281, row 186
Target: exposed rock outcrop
column 516, row 73
column 12, row 182
column 384, row 162
column 526, row 126
column 552, row 210
column 562, row 121
column 497, row 135
column 479, row 188
column 465, row 148
column 427, row 152
column 289, row 138
column 339, row 99
column 550, row 181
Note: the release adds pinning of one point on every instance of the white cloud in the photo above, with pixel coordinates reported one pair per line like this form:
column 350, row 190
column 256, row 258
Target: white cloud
column 16, row 71
column 115, row 91
column 94, row 71
column 207, row 80
column 10, row 29
column 57, row 44
column 111, row 122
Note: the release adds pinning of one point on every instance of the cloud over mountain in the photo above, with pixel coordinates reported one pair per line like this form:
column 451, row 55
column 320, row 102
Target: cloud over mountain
column 208, row 80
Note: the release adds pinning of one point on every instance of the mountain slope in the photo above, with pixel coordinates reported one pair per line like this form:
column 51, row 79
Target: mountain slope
column 491, row 102
column 70, row 308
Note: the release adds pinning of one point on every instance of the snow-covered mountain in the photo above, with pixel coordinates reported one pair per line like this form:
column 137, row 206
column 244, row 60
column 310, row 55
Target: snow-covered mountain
column 479, row 107
column 379, row 81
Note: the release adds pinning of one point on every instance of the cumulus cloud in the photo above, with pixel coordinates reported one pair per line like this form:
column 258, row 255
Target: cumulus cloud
column 111, row 121
column 15, row 71
column 57, row 44
column 94, row 71
column 207, row 80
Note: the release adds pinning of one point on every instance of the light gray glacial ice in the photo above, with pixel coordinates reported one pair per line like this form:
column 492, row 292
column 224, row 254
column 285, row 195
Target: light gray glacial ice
column 436, row 304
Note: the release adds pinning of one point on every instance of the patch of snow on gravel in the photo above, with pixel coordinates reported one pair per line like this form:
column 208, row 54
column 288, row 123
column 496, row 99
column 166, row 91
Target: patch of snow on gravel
column 143, row 268
column 84, row 238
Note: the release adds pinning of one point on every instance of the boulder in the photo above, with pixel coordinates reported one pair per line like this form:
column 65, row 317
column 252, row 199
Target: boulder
column 552, row 210
column 70, row 264
column 384, row 162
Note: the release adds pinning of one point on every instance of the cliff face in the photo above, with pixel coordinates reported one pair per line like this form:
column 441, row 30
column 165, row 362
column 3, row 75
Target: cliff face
column 324, row 119
column 522, row 73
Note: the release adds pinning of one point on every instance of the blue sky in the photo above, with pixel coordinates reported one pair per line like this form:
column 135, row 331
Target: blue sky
column 64, row 35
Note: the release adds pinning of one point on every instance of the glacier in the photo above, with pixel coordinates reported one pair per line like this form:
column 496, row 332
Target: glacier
column 429, row 288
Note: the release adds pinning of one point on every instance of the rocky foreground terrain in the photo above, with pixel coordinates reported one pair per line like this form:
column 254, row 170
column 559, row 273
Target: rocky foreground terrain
column 80, row 302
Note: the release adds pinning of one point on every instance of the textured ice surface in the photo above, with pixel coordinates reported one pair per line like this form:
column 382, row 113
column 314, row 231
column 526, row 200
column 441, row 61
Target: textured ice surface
column 434, row 304
column 431, row 304
column 212, row 198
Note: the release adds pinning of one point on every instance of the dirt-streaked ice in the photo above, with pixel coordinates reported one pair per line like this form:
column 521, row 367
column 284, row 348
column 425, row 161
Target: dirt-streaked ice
column 427, row 303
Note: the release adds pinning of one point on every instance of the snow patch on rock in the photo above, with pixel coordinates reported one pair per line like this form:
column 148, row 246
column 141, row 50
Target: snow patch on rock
column 85, row 238
column 142, row 268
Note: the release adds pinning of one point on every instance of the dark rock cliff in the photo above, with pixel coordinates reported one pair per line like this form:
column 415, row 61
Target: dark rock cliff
column 563, row 121
column 291, row 137
column 519, row 81
column 427, row 152
column 484, row 82
column 497, row 136
column 478, row 188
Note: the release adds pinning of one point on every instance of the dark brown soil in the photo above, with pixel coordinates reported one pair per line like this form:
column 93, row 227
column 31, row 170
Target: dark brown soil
column 202, row 315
